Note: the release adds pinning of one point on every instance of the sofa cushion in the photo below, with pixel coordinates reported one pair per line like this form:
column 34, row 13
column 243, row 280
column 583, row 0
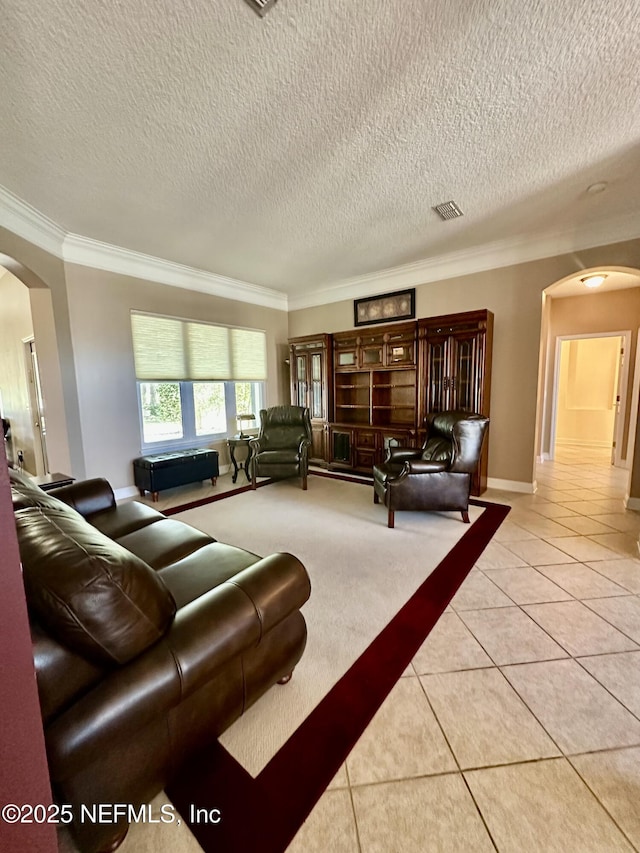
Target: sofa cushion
column 89, row 592
column 124, row 518
column 164, row 542
column 204, row 570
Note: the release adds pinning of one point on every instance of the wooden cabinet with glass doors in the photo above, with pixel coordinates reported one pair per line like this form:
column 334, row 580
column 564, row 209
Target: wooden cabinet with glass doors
column 455, row 369
column 311, row 386
column 368, row 389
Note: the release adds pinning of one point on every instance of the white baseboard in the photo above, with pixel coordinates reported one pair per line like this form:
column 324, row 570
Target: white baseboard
column 511, row 485
column 126, row 492
column 577, row 442
column 544, row 457
column 632, row 503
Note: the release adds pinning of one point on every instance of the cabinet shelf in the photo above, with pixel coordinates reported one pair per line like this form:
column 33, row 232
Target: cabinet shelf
column 395, row 385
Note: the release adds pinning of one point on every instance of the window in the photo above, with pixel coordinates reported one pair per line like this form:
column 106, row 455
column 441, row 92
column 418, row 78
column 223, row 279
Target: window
column 194, row 379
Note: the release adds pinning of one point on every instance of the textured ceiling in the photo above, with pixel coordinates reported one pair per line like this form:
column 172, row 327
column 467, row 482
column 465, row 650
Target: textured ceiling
column 309, row 147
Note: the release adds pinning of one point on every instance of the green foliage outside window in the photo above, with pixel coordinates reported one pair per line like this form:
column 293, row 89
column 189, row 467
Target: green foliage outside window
column 161, row 402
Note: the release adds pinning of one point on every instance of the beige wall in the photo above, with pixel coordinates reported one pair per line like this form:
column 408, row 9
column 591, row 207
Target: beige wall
column 514, row 294
column 15, row 326
column 587, row 388
column 97, row 418
column 100, row 306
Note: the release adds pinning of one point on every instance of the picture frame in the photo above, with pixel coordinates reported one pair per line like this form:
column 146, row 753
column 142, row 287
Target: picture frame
column 385, row 308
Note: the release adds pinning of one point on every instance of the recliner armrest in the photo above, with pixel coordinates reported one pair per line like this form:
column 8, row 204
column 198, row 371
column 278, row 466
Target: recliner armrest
column 402, row 454
column 87, row 496
column 425, row 466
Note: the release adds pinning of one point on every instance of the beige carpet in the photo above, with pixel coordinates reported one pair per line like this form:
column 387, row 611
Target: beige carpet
column 361, row 574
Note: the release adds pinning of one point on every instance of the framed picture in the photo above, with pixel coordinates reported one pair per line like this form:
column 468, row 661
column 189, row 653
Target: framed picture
column 385, row 308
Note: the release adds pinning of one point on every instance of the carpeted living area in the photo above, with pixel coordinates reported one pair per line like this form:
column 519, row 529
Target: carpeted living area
column 376, row 594
column 361, row 573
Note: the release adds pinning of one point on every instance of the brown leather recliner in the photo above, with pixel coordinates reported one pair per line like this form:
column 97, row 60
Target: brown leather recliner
column 282, row 446
column 149, row 639
column 438, row 475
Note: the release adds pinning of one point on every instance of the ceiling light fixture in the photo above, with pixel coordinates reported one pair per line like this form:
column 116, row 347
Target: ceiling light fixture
column 593, row 280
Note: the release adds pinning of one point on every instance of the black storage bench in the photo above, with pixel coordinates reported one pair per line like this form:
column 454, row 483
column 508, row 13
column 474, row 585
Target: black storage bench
column 167, row 470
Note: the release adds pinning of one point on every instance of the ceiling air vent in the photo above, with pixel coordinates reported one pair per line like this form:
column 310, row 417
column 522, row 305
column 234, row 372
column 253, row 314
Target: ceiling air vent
column 261, row 6
column 448, row 210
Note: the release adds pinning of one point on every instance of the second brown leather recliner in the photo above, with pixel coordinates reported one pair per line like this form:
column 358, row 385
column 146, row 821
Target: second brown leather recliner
column 436, row 476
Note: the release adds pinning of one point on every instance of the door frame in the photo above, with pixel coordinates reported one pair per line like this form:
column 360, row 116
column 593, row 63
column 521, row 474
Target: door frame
column 623, row 382
column 36, row 410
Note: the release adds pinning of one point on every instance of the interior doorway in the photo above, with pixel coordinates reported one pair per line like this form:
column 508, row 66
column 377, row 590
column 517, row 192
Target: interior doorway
column 590, row 394
column 36, row 407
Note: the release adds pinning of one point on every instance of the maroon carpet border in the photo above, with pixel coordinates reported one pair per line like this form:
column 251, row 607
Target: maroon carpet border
column 265, row 813
column 174, row 510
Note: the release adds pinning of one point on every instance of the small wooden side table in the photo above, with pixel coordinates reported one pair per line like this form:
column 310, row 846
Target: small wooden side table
column 243, row 465
column 47, row 482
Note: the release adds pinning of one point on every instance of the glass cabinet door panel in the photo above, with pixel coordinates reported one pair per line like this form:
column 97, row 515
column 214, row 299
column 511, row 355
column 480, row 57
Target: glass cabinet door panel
column 464, row 370
column 437, row 390
column 301, row 380
column 317, row 410
column 346, row 358
column 371, row 355
column 400, row 353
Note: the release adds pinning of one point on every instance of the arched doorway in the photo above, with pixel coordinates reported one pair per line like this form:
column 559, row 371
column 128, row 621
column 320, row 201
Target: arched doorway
column 589, row 377
column 32, row 395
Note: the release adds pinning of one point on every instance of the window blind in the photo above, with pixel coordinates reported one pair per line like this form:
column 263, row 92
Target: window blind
column 171, row 349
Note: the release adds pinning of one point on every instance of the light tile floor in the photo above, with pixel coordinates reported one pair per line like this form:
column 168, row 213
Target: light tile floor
column 517, row 726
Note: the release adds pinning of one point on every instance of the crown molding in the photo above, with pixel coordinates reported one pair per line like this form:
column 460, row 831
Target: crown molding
column 501, row 253
column 104, row 256
column 24, row 220
column 20, row 218
column 27, row 222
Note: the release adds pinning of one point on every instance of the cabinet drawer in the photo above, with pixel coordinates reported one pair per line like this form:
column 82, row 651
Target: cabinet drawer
column 364, row 458
column 366, row 438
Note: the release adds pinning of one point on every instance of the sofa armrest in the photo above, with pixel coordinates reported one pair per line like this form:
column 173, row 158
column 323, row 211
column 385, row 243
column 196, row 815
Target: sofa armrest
column 87, row 496
column 276, row 586
column 204, row 636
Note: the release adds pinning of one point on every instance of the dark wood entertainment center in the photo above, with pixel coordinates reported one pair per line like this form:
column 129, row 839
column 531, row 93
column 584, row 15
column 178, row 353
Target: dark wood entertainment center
column 370, row 388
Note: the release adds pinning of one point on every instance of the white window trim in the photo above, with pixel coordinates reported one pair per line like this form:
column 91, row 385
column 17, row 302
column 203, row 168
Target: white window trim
column 188, row 416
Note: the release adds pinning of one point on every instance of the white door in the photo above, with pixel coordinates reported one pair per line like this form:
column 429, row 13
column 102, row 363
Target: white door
column 36, row 405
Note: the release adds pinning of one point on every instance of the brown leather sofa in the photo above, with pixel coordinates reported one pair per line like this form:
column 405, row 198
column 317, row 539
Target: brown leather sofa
column 437, row 476
column 149, row 638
